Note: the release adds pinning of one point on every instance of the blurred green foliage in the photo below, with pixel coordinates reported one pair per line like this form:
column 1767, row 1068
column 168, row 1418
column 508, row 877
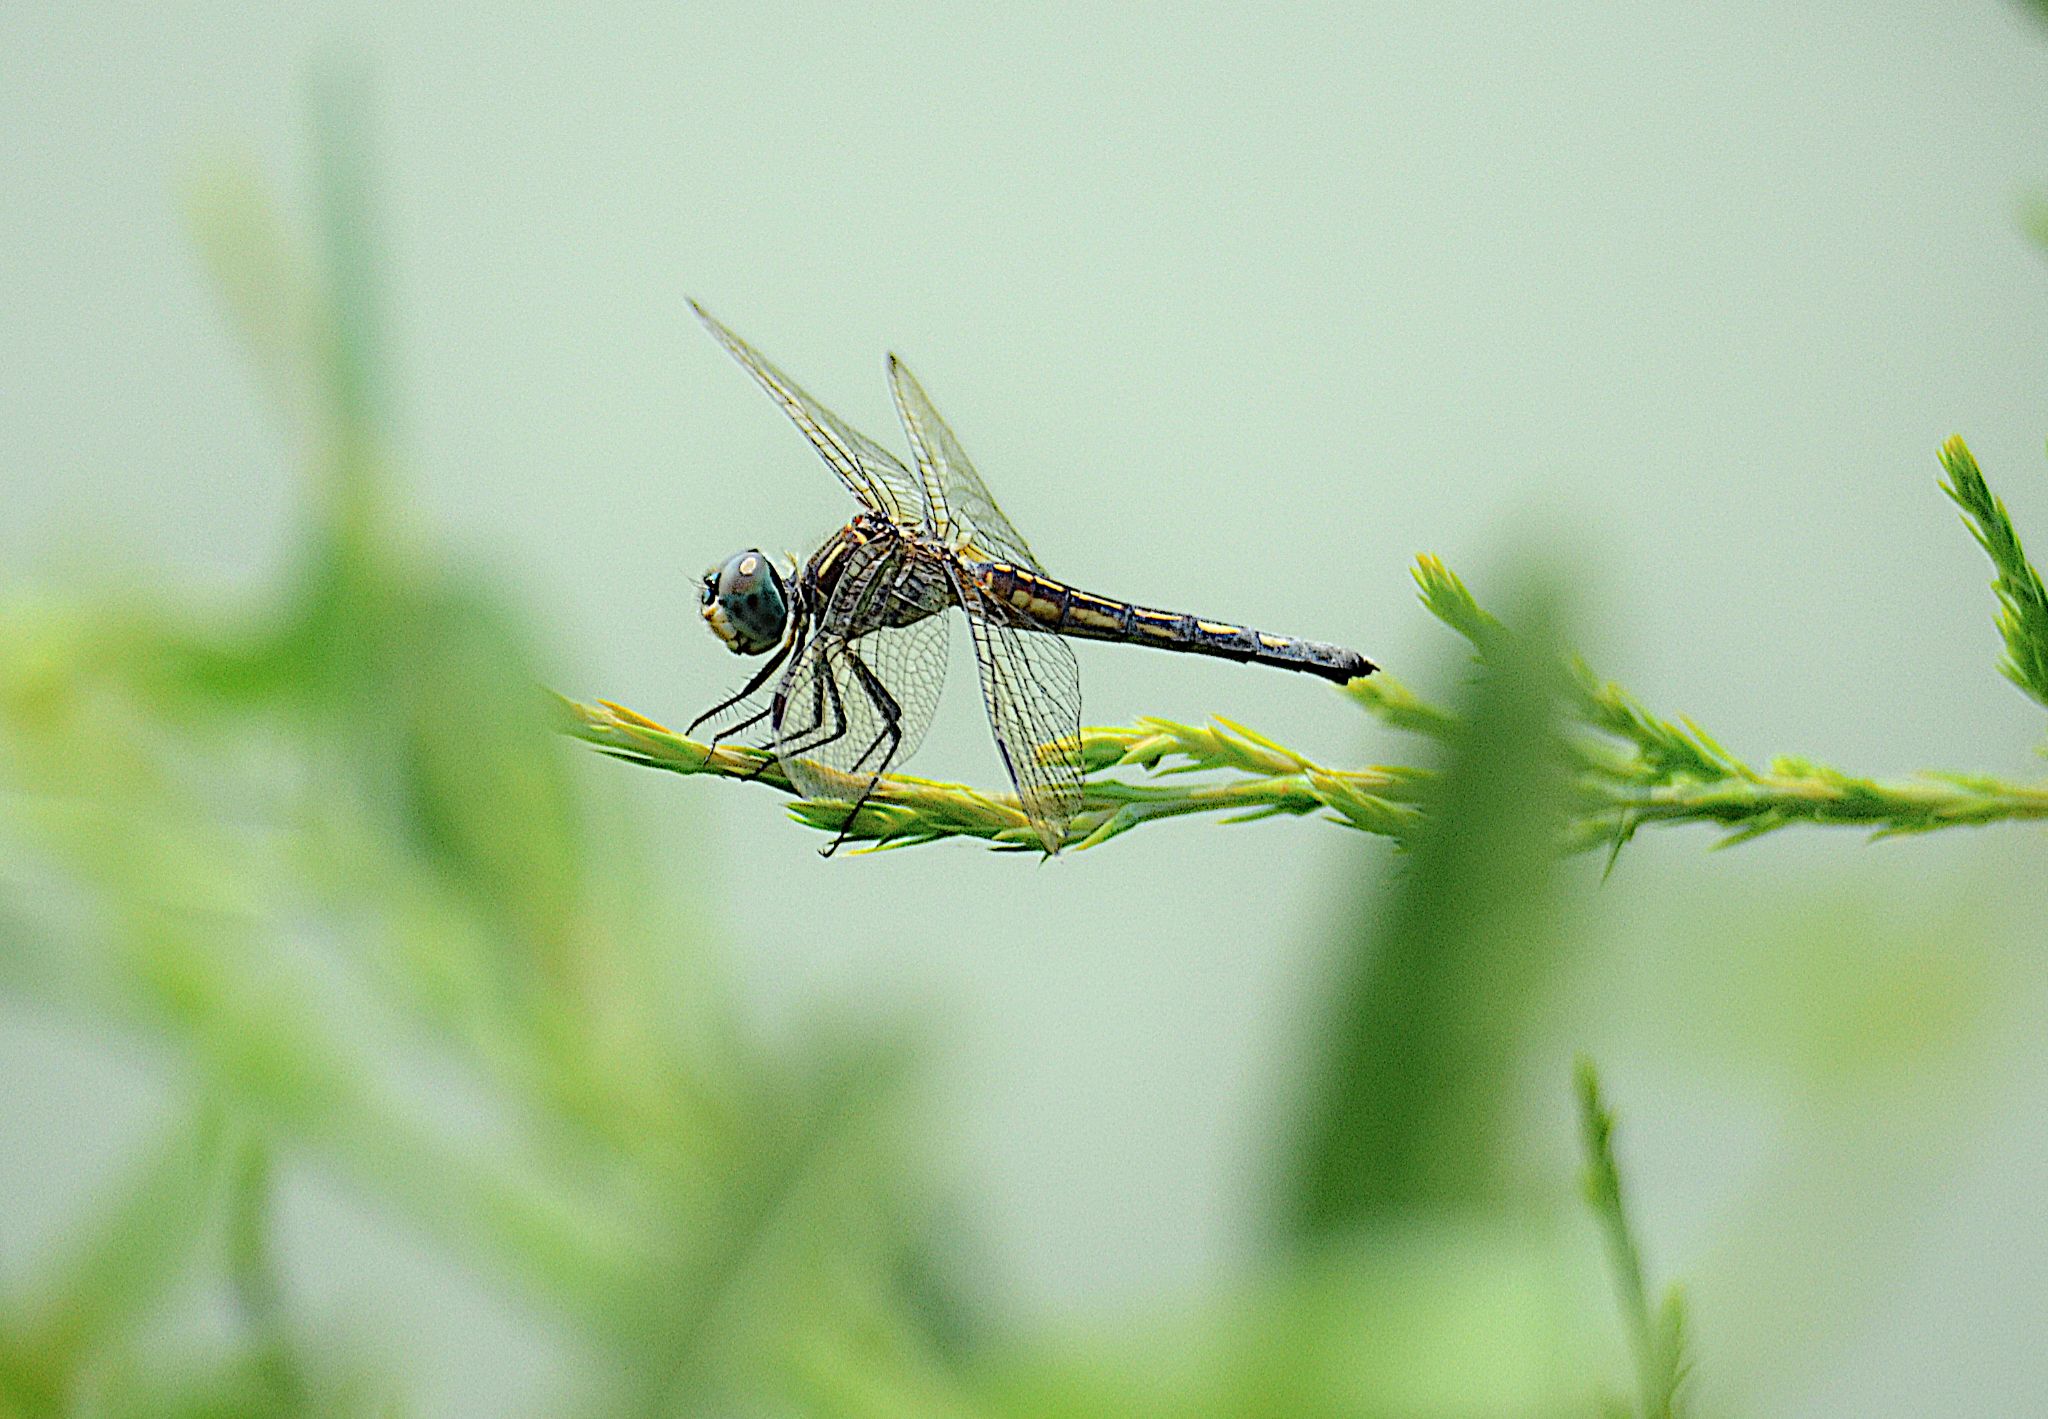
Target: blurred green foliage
column 302, row 850
column 304, row 847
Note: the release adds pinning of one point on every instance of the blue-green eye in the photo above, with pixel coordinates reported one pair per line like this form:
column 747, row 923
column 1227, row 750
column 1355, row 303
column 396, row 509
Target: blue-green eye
column 745, row 604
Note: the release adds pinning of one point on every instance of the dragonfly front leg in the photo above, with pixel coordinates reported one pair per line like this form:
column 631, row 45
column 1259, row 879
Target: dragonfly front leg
column 752, row 686
column 739, row 726
column 767, row 751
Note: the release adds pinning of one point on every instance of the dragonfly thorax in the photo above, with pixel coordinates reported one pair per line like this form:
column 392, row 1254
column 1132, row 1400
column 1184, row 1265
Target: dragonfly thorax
column 745, row 603
column 874, row 574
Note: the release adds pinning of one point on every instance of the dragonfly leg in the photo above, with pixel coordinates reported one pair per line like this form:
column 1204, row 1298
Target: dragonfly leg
column 752, row 685
column 774, row 712
column 823, row 692
column 892, row 730
column 740, row 726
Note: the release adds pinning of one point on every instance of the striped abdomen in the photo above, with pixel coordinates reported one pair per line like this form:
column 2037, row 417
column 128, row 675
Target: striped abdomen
column 1060, row 608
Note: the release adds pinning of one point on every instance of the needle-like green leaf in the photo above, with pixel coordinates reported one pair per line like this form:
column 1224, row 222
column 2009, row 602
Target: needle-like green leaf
column 2022, row 603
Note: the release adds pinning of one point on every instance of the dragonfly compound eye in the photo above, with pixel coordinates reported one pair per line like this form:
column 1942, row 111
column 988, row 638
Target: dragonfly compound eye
column 745, row 604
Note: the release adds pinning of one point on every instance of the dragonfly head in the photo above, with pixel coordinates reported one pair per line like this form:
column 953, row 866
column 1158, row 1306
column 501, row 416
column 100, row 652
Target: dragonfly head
column 746, row 603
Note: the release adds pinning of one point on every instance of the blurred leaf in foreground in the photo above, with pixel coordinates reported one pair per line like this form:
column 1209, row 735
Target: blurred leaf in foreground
column 1411, row 1282
column 1406, row 1101
column 116, row 1268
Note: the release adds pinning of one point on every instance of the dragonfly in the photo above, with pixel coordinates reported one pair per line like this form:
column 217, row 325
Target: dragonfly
column 856, row 636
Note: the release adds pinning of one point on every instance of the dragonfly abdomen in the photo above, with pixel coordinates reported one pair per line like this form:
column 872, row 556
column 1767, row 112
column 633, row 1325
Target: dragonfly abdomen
column 1064, row 610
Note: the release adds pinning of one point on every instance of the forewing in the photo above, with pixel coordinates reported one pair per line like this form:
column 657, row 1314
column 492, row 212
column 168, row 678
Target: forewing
column 1031, row 685
column 963, row 512
column 873, row 474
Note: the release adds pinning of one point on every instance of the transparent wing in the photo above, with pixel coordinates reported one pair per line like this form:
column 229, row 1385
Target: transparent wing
column 855, row 710
column 853, row 707
column 1032, row 687
column 872, row 473
column 962, row 512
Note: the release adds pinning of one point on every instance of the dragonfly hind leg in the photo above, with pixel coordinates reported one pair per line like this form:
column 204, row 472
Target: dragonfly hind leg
column 891, row 714
column 839, row 672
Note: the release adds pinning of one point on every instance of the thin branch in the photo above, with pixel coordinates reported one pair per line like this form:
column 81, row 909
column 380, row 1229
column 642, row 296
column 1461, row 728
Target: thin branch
column 903, row 811
column 1248, row 776
column 1657, row 1335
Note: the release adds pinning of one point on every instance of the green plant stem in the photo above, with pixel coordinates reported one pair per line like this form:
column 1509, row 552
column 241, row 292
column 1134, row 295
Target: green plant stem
column 904, row 810
column 1614, row 794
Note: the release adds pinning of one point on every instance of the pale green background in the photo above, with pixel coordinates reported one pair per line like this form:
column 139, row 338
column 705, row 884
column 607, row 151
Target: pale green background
column 1238, row 308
